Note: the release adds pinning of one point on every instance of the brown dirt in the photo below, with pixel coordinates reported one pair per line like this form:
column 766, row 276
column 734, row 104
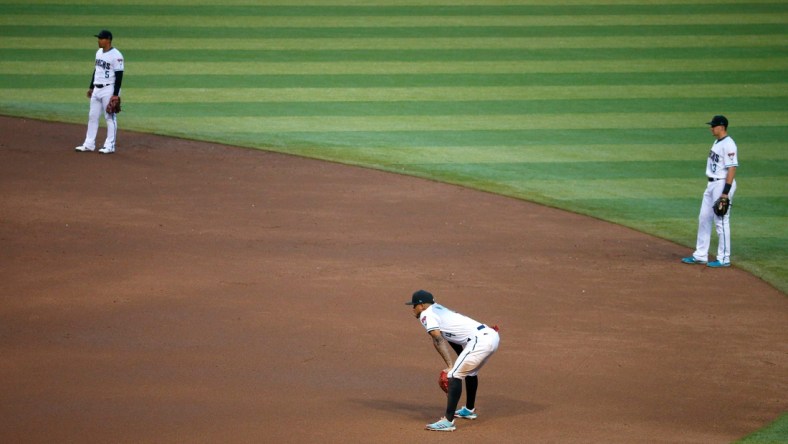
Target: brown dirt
column 180, row 291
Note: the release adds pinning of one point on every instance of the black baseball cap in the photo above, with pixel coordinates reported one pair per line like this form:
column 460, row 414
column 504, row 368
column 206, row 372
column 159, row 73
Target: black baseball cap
column 421, row 297
column 718, row 120
column 104, row 34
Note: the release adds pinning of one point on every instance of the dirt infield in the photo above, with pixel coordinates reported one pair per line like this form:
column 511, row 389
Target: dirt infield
column 179, row 291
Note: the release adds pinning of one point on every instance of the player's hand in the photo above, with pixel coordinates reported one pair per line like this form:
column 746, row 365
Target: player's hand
column 90, row 93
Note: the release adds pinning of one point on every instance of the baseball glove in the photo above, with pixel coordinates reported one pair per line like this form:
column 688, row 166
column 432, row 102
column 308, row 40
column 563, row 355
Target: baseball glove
column 721, row 206
column 113, row 107
column 443, row 381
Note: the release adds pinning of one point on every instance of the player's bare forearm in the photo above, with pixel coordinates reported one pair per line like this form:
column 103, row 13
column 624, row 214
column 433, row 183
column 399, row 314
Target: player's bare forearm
column 729, row 180
column 443, row 349
column 731, row 175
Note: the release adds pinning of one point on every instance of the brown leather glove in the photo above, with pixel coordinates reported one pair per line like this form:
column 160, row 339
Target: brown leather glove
column 114, row 105
column 721, row 206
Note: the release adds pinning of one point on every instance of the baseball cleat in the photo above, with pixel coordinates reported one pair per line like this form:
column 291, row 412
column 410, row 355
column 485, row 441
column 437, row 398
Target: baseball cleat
column 83, row 148
column 718, row 264
column 106, row 150
column 465, row 413
column 692, row 260
column 443, row 425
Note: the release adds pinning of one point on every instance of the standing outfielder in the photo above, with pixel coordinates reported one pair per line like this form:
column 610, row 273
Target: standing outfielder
column 718, row 197
column 104, row 94
column 474, row 343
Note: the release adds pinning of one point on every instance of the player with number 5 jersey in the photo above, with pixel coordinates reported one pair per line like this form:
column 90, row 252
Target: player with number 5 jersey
column 105, row 82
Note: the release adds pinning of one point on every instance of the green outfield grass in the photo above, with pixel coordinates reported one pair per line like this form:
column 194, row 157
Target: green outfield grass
column 774, row 433
column 594, row 106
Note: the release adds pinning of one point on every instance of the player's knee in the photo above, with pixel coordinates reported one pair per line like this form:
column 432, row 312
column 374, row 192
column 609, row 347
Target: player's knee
column 455, row 386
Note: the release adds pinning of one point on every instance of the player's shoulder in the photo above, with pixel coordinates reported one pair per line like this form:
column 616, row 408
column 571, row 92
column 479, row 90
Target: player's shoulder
column 435, row 311
column 724, row 143
column 430, row 309
column 439, row 308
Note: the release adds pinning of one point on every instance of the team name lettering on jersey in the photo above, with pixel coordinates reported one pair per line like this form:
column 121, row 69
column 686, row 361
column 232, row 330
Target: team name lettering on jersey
column 103, row 64
column 721, row 157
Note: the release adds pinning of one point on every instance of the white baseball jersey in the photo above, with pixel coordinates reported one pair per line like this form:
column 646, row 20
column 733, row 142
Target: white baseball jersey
column 106, row 65
column 454, row 327
column 721, row 157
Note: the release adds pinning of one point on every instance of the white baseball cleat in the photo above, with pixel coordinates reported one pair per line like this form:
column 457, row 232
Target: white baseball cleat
column 83, row 148
column 106, row 150
column 465, row 413
column 442, row 425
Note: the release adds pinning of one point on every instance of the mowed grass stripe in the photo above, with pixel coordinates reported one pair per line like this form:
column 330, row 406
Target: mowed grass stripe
column 389, row 68
column 432, row 49
column 473, row 126
column 366, row 32
column 334, row 10
column 230, row 56
column 413, row 80
column 526, row 108
column 444, row 94
column 403, row 55
column 81, row 24
column 327, row 3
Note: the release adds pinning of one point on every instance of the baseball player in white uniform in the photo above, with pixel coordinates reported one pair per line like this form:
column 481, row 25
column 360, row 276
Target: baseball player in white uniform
column 104, row 84
column 720, row 171
column 474, row 343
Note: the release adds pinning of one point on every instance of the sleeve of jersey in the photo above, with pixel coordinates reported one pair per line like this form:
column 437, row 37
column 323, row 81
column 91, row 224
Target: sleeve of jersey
column 117, row 61
column 730, row 155
column 429, row 321
column 118, row 67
